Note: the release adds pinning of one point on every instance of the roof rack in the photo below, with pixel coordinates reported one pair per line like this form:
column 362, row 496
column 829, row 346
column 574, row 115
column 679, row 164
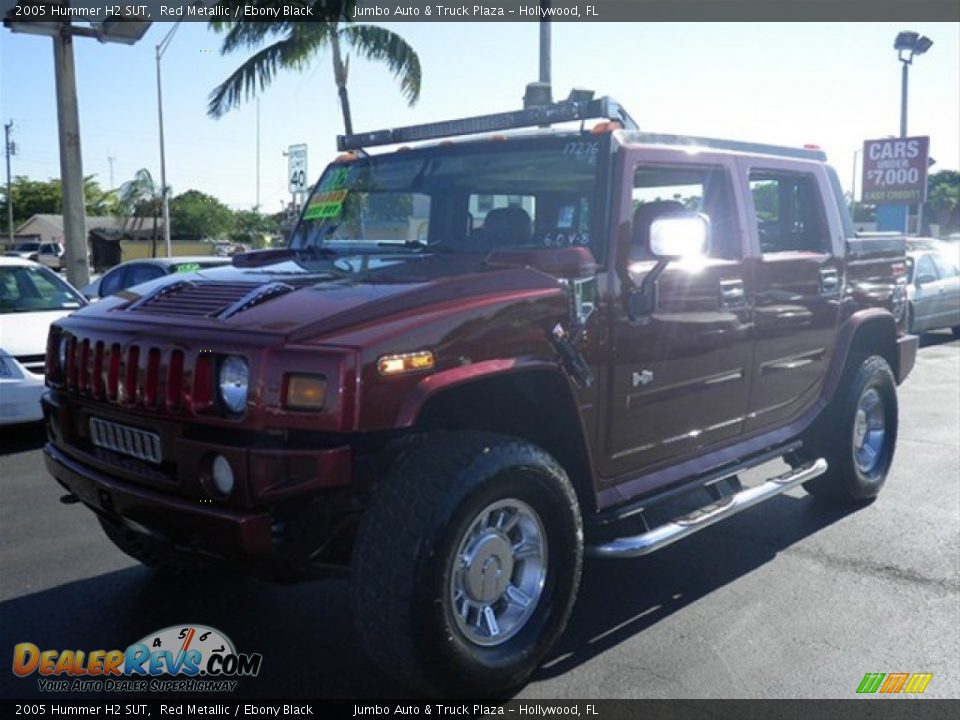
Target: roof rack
column 565, row 111
column 718, row 144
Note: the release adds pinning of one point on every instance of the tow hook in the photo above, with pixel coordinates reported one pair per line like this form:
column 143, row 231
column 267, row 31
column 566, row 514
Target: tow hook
column 69, row 499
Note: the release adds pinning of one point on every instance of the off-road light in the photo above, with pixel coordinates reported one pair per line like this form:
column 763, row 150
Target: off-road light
column 222, row 475
column 234, row 383
column 405, row 362
column 305, row 392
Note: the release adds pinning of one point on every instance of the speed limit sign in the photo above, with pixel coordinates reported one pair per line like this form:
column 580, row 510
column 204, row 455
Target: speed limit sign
column 297, row 168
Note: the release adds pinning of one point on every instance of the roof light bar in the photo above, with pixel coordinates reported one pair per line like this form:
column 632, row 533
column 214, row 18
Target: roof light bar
column 565, row 111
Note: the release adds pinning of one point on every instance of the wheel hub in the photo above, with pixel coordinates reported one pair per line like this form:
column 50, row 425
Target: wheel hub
column 869, row 431
column 498, row 572
column 489, row 567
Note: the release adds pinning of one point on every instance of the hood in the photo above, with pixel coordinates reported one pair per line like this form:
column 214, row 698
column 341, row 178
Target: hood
column 26, row 333
column 300, row 298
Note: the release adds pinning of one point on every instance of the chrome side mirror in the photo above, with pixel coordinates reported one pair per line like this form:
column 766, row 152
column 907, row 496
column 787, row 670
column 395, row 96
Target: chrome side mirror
column 682, row 235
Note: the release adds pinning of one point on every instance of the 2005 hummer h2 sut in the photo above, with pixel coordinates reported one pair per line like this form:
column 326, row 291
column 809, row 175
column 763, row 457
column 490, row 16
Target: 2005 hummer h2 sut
column 479, row 359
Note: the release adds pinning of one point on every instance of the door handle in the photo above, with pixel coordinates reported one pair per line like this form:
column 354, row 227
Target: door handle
column 829, row 281
column 732, row 294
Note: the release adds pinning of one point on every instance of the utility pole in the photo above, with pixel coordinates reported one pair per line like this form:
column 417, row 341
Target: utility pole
column 258, row 155
column 110, row 160
column 161, row 49
column 8, row 145
column 71, row 165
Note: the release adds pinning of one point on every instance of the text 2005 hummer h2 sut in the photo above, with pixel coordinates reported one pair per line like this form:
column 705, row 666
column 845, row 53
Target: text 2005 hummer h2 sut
column 479, row 359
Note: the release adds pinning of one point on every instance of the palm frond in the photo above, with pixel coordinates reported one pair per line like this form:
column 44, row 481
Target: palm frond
column 379, row 44
column 294, row 51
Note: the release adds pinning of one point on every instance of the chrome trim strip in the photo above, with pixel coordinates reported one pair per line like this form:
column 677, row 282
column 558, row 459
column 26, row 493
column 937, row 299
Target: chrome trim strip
column 255, row 297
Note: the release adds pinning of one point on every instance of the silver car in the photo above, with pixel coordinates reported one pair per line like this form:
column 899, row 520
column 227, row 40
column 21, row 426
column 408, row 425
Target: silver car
column 934, row 291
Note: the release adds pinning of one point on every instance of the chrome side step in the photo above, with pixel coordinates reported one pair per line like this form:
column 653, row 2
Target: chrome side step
column 664, row 535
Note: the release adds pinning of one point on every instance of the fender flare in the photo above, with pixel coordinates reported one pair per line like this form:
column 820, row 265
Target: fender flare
column 433, row 385
column 846, row 336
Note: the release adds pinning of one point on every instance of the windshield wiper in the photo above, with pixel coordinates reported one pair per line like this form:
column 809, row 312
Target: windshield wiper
column 418, row 245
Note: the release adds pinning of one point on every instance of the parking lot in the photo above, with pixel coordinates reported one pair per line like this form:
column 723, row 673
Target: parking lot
column 792, row 599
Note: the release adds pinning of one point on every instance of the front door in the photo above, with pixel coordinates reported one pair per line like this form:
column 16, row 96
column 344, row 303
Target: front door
column 799, row 287
column 680, row 372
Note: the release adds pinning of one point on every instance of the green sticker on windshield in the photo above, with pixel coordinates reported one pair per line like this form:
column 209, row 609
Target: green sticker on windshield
column 325, row 205
column 188, row 267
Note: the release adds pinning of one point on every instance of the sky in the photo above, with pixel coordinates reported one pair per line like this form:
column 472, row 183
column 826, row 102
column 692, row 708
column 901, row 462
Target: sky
column 829, row 84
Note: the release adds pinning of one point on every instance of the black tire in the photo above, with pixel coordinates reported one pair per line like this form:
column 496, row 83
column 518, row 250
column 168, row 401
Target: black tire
column 836, row 433
column 150, row 552
column 404, row 562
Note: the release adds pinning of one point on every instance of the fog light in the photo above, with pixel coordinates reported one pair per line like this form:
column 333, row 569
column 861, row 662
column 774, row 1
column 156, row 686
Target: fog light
column 222, row 475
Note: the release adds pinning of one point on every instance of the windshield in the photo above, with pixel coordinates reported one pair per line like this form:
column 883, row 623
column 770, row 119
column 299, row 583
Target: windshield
column 34, row 289
column 459, row 199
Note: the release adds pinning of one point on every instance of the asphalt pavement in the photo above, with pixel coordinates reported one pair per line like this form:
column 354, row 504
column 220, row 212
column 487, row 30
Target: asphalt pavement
column 792, row 599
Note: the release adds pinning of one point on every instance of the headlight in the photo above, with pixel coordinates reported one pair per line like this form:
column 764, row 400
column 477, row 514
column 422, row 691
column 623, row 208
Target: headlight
column 234, row 383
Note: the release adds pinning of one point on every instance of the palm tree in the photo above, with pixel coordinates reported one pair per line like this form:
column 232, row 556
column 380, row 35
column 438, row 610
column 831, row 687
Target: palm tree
column 141, row 196
column 298, row 43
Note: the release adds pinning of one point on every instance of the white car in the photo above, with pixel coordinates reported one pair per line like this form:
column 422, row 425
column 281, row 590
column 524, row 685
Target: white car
column 48, row 253
column 31, row 297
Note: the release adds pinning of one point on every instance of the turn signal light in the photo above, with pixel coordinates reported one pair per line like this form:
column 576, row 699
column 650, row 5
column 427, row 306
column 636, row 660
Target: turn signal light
column 305, row 392
column 405, row 362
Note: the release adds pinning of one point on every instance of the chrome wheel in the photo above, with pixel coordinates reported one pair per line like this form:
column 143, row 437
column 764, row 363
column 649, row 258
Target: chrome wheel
column 498, row 572
column 869, row 431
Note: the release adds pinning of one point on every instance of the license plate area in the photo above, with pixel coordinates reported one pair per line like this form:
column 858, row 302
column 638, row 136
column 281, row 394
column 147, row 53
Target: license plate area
column 126, row 440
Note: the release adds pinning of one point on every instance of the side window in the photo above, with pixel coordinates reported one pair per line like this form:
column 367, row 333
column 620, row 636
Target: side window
column 945, row 267
column 789, row 212
column 137, row 274
column 661, row 190
column 112, row 282
column 926, row 271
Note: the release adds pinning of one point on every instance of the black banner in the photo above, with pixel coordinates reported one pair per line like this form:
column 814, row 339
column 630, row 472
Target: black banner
column 877, row 709
column 482, row 11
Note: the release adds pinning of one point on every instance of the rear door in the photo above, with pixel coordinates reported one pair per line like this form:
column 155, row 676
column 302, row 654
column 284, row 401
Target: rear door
column 796, row 270
column 948, row 292
column 926, row 293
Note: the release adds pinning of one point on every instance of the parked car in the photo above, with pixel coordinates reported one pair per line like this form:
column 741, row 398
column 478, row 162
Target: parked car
column 31, row 297
column 135, row 272
column 933, row 289
column 49, row 253
column 455, row 420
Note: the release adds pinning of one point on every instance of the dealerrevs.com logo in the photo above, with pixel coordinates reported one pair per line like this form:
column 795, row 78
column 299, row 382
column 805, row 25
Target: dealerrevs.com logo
column 187, row 658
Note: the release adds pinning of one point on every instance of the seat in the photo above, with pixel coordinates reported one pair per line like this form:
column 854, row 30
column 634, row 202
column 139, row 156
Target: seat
column 507, row 226
column 643, row 218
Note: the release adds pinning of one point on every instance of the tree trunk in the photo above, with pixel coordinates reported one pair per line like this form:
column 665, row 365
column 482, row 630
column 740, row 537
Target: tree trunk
column 153, row 239
column 340, row 77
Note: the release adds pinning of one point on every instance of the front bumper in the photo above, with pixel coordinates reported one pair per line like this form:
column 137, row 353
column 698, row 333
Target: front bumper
column 188, row 525
column 291, row 506
column 906, row 355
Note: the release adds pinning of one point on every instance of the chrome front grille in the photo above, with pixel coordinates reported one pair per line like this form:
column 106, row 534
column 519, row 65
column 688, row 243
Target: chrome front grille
column 140, row 444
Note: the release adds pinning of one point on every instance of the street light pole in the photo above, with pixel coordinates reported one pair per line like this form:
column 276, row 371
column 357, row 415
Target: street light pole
column 909, row 44
column 71, row 165
column 903, row 98
column 161, row 49
column 8, row 147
